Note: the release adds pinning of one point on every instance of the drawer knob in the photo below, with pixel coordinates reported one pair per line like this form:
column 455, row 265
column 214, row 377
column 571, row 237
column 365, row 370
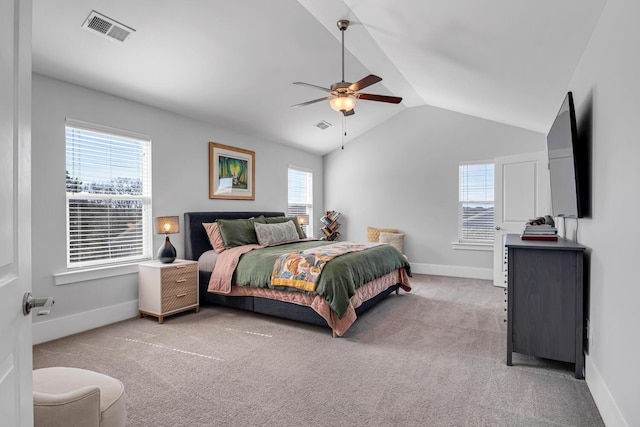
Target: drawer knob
column 181, row 295
column 181, row 280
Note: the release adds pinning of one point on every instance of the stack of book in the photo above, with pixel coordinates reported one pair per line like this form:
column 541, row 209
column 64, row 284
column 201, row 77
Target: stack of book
column 331, row 225
column 539, row 232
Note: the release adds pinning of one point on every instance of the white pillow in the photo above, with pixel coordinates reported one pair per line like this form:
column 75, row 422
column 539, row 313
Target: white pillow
column 207, row 260
column 394, row 239
column 271, row 234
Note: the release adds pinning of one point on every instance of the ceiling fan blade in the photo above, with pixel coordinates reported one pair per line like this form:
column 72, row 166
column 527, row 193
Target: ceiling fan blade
column 364, row 82
column 311, row 102
column 379, row 98
column 312, row 86
column 349, row 113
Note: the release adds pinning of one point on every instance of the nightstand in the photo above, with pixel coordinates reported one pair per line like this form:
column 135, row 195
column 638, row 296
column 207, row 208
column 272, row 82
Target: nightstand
column 166, row 289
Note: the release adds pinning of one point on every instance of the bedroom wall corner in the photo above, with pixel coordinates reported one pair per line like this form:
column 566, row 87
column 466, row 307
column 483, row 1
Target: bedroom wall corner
column 404, row 174
column 604, row 85
column 180, row 184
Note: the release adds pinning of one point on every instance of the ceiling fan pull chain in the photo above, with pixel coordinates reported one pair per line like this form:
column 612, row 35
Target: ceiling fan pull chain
column 344, row 129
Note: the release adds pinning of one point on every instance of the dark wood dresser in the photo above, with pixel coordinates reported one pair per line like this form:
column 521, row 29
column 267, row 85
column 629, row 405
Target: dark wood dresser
column 545, row 300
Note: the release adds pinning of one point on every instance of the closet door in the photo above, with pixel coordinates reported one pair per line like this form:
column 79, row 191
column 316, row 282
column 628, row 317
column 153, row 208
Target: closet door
column 521, row 192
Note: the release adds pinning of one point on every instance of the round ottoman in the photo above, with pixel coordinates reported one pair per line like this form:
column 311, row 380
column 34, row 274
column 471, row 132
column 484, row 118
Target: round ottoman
column 77, row 397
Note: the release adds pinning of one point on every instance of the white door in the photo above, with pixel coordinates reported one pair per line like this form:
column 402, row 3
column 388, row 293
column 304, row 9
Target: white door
column 16, row 397
column 521, row 193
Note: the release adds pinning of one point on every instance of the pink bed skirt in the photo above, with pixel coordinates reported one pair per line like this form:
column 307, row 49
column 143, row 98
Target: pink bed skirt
column 321, row 306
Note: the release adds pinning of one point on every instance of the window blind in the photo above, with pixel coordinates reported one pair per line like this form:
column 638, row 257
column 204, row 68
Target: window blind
column 108, row 195
column 300, row 199
column 476, row 202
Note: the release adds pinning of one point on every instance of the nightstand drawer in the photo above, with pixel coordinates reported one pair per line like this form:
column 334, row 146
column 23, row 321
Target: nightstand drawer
column 174, row 302
column 179, row 285
column 178, row 273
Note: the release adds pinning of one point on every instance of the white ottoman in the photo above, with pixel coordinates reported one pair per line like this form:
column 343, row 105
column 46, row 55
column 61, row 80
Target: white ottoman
column 70, row 397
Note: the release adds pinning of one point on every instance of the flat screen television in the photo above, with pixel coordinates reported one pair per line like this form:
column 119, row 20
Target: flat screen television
column 568, row 166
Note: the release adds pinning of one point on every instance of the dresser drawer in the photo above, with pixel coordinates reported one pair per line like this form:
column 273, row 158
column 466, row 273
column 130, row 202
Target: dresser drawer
column 178, row 273
column 180, row 300
column 179, row 285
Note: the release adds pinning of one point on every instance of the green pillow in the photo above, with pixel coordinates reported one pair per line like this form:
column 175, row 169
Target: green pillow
column 239, row 232
column 294, row 219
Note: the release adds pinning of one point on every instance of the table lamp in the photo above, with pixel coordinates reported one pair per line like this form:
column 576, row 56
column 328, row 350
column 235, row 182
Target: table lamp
column 303, row 220
column 167, row 225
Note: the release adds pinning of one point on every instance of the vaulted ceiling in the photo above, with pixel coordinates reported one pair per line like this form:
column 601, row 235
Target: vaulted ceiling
column 232, row 63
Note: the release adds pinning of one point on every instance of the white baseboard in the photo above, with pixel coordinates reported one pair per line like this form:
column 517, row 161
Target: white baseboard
column 609, row 411
column 453, row 271
column 80, row 322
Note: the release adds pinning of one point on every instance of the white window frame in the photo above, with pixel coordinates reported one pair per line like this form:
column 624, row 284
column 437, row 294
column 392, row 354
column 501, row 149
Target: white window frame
column 464, row 242
column 145, row 240
column 308, row 204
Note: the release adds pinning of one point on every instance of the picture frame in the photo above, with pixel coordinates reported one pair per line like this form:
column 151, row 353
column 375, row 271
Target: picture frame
column 231, row 172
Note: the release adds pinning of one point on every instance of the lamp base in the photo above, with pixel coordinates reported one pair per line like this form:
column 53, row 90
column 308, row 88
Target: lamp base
column 166, row 253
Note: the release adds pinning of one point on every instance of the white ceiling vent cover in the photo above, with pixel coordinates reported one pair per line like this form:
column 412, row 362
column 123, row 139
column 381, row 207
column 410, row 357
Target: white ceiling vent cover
column 322, row 124
column 107, row 27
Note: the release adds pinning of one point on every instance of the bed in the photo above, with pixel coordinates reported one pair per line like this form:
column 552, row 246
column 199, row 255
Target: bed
column 349, row 285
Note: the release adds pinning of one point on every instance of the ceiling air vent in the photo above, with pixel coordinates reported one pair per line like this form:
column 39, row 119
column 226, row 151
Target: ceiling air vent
column 322, row 124
column 107, row 27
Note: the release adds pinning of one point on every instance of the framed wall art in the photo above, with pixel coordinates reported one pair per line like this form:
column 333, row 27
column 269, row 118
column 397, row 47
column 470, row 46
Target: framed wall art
column 231, row 173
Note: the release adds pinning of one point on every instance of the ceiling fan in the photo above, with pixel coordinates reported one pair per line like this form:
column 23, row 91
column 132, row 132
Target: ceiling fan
column 344, row 94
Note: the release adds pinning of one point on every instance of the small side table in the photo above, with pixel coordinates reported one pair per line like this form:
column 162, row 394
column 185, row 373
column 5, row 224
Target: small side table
column 166, row 289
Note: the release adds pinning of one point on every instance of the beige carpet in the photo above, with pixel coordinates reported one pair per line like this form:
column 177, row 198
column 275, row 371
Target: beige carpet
column 432, row 357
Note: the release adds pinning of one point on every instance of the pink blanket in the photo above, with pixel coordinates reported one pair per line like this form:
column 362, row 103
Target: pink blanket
column 220, row 281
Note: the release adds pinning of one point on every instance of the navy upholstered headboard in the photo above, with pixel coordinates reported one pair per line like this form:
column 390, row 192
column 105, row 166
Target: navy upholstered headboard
column 196, row 241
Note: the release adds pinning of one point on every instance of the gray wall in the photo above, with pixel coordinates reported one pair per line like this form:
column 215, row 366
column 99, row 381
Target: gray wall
column 404, row 174
column 606, row 87
column 180, row 183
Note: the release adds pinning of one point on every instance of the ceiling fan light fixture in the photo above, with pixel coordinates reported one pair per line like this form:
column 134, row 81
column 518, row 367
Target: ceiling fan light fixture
column 343, row 103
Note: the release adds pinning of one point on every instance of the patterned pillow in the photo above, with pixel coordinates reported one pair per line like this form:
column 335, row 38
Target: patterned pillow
column 394, row 239
column 373, row 234
column 214, row 236
column 271, row 234
column 278, row 219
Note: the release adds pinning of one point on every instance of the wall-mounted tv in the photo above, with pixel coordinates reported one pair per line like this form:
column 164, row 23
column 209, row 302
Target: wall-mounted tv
column 568, row 165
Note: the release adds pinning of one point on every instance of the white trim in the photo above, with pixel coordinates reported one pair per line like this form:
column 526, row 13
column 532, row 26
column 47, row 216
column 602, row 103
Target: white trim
column 452, row 271
column 80, row 322
column 300, row 168
column 79, row 124
column 472, row 246
column 86, row 274
column 605, row 402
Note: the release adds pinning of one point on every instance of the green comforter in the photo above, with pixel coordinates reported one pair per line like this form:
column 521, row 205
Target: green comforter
column 339, row 279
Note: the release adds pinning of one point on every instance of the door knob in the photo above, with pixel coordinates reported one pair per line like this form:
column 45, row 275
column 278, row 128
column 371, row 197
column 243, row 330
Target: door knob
column 29, row 302
column 498, row 227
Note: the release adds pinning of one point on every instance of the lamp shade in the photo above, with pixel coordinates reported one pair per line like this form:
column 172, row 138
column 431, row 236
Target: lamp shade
column 342, row 103
column 303, row 220
column 167, row 225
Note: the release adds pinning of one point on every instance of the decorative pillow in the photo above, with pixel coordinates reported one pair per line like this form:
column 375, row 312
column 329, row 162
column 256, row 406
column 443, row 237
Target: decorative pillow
column 394, row 239
column 271, row 234
column 373, row 234
column 207, row 261
column 238, row 232
column 213, row 231
column 294, row 219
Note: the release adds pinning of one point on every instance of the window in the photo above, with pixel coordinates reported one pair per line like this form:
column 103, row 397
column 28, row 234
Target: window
column 301, row 198
column 108, row 193
column 475, row 210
